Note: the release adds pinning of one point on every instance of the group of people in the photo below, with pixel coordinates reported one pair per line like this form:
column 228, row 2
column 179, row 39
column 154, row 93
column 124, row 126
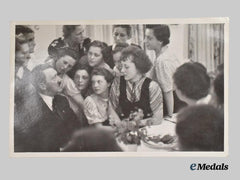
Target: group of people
column 84, row 88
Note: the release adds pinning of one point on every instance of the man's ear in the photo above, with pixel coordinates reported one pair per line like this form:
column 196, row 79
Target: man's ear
column 42, row 86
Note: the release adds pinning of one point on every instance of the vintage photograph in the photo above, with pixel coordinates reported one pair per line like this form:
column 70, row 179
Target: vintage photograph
column 144, row 87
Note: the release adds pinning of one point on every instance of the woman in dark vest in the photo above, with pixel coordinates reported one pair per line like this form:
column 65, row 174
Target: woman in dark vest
column 134, row 91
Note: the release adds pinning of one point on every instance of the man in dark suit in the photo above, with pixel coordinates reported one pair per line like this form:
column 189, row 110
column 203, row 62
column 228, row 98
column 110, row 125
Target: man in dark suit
column 45, row 121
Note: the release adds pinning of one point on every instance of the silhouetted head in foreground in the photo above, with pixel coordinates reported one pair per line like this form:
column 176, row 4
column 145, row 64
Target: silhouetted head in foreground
column 200, row 128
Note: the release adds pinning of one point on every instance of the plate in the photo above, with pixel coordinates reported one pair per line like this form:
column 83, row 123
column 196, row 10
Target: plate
column 160, row 145
column 166, row 128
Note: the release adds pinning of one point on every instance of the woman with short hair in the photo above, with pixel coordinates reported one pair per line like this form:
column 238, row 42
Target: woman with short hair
column 134, row 90
column 157, row 38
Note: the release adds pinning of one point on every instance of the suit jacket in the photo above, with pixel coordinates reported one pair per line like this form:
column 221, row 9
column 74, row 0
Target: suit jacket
column 38, row 129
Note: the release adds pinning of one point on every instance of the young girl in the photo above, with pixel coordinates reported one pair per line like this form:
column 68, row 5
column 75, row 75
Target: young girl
column 97, row 107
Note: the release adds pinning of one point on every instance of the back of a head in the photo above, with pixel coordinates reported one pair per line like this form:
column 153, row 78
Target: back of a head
column 192, row 80
column 93, row 139
column 200, row 128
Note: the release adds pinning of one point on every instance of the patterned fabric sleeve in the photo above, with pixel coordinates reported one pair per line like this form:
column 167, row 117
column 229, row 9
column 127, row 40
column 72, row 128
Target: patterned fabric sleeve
column 91, row 111
column 115, row 92
column 164, row 75
column 156, row 100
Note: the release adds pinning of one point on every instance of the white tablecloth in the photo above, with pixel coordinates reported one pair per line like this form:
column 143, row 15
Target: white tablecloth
column 165, row 128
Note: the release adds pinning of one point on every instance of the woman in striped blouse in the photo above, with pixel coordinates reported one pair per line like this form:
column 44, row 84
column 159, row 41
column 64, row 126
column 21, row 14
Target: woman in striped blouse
column 134, row 90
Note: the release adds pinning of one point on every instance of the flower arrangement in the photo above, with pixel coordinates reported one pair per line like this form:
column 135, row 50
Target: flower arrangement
column 130, row 130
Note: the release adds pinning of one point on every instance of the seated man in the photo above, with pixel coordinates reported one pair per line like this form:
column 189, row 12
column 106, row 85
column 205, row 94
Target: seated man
column 200, row 128
column 45, row 120
column 192, row 83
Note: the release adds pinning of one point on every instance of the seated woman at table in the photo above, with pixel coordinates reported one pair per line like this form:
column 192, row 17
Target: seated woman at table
column 96, row 56
column 97, row 107
column 192, row 83
column 134, row 90
column 200, row 128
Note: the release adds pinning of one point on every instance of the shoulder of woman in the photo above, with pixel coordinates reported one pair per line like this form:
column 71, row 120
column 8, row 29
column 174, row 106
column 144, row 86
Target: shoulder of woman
column 154, row 85
column 89, row 102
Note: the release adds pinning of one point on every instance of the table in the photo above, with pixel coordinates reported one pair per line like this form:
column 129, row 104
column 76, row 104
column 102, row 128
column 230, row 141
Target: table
column 166, row 127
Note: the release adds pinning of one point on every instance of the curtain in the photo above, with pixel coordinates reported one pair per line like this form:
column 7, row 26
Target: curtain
column 104, row 33
column 138, row 34
column 100, row 32
column 206, row 44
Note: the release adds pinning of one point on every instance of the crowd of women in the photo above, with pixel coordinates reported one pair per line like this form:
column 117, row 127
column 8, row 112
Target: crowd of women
column 106, row 84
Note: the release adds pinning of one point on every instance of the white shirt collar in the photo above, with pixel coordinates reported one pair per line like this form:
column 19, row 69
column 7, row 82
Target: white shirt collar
column 48, row 100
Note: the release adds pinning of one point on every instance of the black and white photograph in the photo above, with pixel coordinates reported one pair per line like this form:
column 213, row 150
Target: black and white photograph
column 119, row 88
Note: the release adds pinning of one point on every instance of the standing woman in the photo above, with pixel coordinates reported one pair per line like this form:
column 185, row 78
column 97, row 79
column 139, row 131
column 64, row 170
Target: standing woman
column 97, row 107
column 134, row 90
column 73, row 38
column 122, row 34
column 165, row 64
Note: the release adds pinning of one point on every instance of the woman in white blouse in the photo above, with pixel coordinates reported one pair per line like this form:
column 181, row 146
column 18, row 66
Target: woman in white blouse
column 97, row 107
